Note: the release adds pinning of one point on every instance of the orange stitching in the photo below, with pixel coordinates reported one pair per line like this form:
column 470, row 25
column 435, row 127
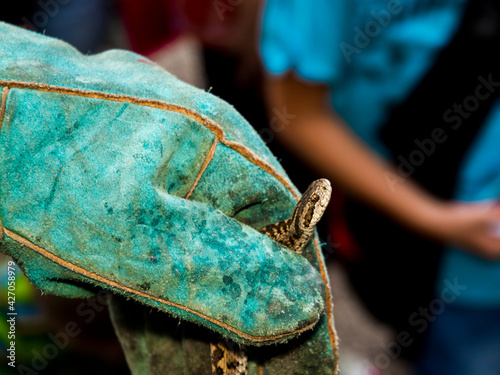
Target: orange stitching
column 204, row 167
column 219, row 134
column 254, row 159
column 91, row 275
column 206, row 122
column 153, row 103
column 329, row 308
column 3, row 105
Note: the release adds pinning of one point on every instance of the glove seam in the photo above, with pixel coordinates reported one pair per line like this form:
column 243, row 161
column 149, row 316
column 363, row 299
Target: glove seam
column 220, row 136
column 91, row 275
column 208, row 159
column 3, row 104
column 211, row 125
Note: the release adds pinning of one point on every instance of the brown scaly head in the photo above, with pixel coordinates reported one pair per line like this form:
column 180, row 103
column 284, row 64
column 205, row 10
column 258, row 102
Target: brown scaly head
column 296, row 231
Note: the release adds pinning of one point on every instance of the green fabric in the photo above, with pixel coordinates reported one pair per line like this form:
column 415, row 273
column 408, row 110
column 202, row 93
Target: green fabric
column 156, row 345
column 94, row 170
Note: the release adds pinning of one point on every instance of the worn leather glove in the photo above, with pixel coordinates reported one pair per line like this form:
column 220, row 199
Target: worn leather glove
column 116, row 175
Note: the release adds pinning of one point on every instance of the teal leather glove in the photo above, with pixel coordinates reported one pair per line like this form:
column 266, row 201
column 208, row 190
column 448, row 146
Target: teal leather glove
column 116, row 175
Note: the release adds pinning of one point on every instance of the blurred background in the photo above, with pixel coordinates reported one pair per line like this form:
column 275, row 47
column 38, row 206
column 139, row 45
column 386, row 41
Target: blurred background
column 232, row 49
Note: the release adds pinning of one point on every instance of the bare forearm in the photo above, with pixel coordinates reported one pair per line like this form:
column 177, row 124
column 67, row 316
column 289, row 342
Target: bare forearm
column 328, row 146
column 333, row 151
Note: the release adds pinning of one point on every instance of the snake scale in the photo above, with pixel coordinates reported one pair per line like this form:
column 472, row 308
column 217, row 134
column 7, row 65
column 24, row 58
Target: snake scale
column 229, row 358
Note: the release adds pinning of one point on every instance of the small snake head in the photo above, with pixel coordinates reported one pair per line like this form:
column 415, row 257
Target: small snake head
column 312, row 205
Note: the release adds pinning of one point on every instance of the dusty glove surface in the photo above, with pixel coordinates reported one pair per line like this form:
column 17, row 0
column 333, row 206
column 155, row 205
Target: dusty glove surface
column 115, row 174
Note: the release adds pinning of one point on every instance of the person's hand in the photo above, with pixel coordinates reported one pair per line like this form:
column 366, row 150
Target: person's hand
column 325, row 142
column 473, row 227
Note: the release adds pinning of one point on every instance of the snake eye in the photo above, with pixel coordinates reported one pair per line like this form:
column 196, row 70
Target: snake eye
column 314, row 198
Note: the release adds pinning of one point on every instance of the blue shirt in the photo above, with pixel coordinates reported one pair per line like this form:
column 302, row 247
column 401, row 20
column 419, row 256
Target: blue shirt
column 479, row 180
column 372, row 53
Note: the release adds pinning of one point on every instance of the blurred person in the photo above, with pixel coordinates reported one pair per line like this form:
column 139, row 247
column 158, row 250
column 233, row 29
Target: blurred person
column 356, row 85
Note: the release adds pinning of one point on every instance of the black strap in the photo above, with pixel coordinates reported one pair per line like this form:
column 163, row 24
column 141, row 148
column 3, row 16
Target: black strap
column 428, row 136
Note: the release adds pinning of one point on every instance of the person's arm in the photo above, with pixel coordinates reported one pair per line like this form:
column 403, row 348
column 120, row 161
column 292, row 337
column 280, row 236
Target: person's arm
column 322, row 139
